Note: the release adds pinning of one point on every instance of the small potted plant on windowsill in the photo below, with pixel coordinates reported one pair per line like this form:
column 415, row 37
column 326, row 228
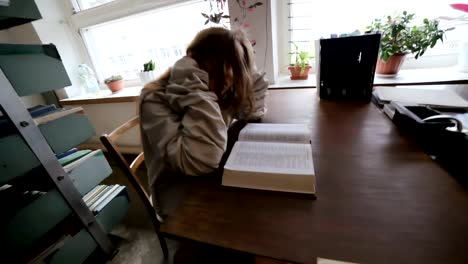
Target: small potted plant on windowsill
column 300, row 69
column 115, row 83
column 148, row 74
column 400, row 37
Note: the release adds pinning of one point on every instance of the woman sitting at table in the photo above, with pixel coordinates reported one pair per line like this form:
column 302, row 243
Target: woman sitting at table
column 186, row 113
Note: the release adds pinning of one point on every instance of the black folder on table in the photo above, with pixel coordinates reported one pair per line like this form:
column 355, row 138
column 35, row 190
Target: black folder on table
column 346, row 66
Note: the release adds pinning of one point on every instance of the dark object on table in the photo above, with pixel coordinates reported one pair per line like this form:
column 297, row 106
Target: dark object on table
column 199, row 253
column 441, row 136
column 346, row 67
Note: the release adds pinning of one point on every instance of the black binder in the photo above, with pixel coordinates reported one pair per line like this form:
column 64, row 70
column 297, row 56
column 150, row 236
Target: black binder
column 346, row 66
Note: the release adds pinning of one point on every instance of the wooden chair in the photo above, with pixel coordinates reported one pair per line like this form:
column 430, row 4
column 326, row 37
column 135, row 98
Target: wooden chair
column 130, row 172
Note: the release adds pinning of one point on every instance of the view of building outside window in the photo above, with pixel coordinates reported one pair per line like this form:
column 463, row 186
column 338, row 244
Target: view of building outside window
column 123, row 46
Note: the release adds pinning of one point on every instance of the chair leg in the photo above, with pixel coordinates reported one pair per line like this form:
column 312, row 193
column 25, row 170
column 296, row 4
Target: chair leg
column 163, row 244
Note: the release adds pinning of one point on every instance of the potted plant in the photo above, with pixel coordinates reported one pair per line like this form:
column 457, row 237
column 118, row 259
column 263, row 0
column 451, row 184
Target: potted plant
column 300, row 69
column 115, row 83
column 148, row 73
column 400, row 37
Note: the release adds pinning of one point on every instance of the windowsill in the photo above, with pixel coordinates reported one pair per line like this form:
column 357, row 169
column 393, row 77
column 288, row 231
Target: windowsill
column 131, row 94
column 405, row 77
column 128, row 94
column 284, row 82
column 432, row 76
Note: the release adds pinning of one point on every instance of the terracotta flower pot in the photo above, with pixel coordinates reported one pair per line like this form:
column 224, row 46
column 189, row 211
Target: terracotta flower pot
column 392, row 66
column 298, row 74
column 116, row 86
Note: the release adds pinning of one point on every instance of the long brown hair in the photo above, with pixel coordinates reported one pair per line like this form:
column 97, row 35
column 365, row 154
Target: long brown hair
column 217, row 50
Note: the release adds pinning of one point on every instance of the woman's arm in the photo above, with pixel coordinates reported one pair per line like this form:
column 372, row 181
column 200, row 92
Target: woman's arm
column 184, row 123
column 260, row 90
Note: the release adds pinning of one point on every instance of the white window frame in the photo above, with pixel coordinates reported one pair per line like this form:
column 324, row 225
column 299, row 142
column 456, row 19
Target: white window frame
column 447, row 59
column 114, row 11
column 283, row 32
column 119, row 9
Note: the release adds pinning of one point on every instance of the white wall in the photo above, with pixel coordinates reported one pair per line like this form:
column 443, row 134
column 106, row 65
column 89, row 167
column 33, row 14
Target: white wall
column 107, row 117
column 260, row 21
column 55, row 28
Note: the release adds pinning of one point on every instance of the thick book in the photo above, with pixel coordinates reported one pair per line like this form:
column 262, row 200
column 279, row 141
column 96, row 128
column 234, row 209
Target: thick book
column 274, row 157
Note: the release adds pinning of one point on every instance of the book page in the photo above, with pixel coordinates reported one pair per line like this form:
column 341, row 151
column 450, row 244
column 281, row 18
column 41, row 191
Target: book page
column 331, row 261
column 288, row 133
column 271, row 158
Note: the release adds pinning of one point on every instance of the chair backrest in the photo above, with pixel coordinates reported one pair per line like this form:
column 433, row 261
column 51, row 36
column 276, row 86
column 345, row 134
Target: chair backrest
column 108, row 140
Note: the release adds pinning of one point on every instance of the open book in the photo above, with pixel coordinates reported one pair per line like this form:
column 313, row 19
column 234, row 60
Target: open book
column 276, row 157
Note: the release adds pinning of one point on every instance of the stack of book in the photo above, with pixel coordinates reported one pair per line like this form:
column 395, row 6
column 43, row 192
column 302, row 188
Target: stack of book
column 101, row 195
column 83, row 161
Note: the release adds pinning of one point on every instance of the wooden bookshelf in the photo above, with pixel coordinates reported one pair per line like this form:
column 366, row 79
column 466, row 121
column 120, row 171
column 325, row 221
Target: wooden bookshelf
column 46, row 216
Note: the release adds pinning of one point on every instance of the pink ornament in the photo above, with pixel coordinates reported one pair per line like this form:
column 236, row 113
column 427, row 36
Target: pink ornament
column 460, row 6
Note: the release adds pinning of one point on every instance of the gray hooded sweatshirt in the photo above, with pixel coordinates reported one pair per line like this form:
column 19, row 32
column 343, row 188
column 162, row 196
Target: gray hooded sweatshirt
column 182, row 126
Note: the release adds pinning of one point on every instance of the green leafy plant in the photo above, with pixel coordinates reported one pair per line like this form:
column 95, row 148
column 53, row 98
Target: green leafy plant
column 400, row 36
column 149, row 66
column 113, row 78
column 216, row 11
column 301, row 57
column 214, row 18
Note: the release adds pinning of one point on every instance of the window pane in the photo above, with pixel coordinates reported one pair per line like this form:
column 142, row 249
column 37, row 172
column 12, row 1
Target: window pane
column 313, row 19
column 86, row 4
column 121, row 47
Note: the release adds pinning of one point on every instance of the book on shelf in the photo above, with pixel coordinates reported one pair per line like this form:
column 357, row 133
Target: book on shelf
column 275, row 157
column 66, row 153
column 41, row 110
column 98, row 196
column 57, row 114
column 72, row 156
column 108, row 199
column 91, row 195
column 101, row 195
column 6, row 128
column 78, row 158
column 106, row 193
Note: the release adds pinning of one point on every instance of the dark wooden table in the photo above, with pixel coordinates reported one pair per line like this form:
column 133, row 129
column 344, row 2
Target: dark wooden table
column 380, row 199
